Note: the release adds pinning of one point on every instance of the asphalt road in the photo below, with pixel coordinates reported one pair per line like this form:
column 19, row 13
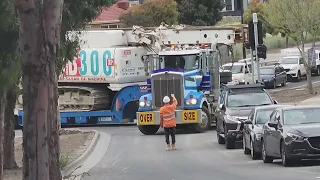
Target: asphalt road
column 133, row 156
column 293, row 84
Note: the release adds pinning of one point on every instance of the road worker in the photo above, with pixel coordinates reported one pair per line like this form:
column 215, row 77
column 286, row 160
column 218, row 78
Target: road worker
column 168, row 120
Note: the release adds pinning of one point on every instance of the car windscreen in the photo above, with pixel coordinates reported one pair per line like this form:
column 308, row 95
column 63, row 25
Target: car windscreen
column 235, row 69
column 263, row 115
column 267, row 71
column 301, row 116
column 248, row 99
column 289, row 61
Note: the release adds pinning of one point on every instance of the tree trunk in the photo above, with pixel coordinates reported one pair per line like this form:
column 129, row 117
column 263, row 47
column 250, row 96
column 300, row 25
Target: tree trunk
column 2, row 111
column 310, row 88
column 9, row 125
column 39, row 41
column 287, row 42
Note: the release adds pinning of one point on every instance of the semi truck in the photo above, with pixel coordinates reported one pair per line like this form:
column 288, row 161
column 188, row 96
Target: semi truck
column 105, row 81
column 188, row 66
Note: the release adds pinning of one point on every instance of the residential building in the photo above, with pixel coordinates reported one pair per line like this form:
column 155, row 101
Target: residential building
column 234, row 7
column 109, row 17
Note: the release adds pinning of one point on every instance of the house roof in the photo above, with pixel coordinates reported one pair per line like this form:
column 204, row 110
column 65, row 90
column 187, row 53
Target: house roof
column 112, row 13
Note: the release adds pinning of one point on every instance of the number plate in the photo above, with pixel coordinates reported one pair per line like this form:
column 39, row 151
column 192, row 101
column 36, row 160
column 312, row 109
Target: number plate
column 189, row 116
column 104, row 119
column 145, row 118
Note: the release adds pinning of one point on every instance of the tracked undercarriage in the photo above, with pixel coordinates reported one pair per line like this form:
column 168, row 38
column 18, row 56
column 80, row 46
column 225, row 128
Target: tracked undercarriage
column 81, row 98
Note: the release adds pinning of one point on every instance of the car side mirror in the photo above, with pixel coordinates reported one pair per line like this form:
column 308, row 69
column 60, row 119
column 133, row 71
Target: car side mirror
column 274, row 125
column 247, row 121
column 275, row 102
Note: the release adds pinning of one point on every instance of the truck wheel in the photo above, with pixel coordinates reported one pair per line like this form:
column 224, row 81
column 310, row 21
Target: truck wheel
column 206, row 121
column 149, row 130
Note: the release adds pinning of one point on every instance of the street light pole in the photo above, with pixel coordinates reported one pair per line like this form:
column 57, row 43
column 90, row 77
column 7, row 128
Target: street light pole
column 244, row 53
column 255, row 26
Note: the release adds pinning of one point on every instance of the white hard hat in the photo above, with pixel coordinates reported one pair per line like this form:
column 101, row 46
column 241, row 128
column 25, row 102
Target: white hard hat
column 166, row 99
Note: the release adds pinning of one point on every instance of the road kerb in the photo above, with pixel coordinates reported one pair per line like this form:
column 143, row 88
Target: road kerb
column 70, row 168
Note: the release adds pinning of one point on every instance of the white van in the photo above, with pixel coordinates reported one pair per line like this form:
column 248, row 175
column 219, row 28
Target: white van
column 241, row 72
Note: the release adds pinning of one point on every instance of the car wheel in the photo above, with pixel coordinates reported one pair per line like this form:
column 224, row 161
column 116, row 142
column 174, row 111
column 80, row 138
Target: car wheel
column 284, row 157
column 254, row 154
column 220, row 139
column 265, row 157
column 274, row 84
column 284, row 83
column 246, row 151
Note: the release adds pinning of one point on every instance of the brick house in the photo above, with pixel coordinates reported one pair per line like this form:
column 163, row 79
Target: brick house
column 109, row 17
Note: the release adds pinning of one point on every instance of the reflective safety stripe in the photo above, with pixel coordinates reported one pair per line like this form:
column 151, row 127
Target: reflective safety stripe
column 168, row 117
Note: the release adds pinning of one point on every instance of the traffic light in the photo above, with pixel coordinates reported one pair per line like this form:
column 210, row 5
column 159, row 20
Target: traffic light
column 251, row 34
column 262, row 51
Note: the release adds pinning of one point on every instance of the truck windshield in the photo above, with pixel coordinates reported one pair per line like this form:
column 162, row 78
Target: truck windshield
column 234, row 69
column 186, row 62
column 289, row 61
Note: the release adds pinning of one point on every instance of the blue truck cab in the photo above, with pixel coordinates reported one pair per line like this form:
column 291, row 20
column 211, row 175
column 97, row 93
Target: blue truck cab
column 186, row 74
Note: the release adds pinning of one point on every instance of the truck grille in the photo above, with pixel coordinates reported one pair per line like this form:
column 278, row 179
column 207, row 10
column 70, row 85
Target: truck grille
column 164, row 85
column 314, row 142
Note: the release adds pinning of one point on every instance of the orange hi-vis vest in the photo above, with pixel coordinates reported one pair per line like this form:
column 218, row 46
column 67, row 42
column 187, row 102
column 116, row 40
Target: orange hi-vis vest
column 167, row 114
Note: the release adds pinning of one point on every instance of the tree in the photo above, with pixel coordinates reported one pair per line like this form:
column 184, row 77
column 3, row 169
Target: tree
column 297, row 18
column 256, row 6
column 40, row 26
column 9, row 73
column 152, row 13
column 199, row 12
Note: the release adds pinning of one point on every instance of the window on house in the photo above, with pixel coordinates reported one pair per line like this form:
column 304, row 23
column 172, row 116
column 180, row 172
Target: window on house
column 113, row 26
column 110, row 26
column 229, row 5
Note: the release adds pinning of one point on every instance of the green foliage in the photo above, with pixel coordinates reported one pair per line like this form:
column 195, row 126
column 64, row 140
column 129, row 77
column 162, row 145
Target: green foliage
column 152, row 13
column 63, row 161
column 10, row 62
column 256, row 6
column 294, row 18
column 199, row 12
column 76, row 15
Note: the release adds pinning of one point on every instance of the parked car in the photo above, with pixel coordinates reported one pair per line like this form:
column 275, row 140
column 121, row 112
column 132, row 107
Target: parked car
column 235, row 104
column 292, row 134
column 273, row 76
column 252, row 130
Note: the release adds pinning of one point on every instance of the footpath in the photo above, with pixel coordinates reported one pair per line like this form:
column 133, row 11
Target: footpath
column 79, row 152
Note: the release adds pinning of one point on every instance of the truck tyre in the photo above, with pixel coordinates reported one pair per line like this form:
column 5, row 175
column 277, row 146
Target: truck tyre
column 206, row 121
column 149, row 130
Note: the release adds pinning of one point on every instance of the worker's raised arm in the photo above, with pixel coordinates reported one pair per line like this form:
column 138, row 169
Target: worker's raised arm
column 174, row 101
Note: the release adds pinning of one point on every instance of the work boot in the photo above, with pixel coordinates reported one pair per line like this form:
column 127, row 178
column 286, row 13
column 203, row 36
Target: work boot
column 173, row 147
column 168, row 148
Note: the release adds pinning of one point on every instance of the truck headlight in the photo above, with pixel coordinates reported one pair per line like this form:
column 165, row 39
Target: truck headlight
column 142, row 103
column 242, row 80
column 148, row 103
column 192, row 101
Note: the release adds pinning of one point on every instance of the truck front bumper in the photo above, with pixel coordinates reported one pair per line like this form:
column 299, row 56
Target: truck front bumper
column 182, row 117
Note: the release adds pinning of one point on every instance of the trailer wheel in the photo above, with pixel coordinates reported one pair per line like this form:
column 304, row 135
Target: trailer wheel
column 206, row 121
column 149, row 130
